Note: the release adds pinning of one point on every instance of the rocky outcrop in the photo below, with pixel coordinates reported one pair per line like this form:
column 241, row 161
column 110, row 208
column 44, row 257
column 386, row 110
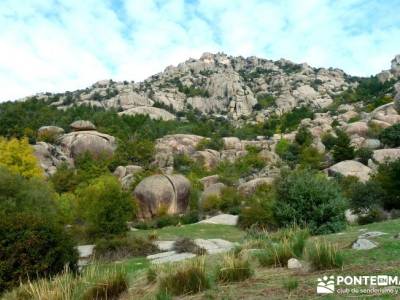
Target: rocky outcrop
column 153, row 112
column 385, row 155
column 50, row 157
column 397, row 97
column 126, row 174
column 248, row 188
column 208, row 158
column 217, row 84
column 162, row 193
column 213, row 190
column 351, row 168
column 209, row 180
column 357, row 128
column 97, row 144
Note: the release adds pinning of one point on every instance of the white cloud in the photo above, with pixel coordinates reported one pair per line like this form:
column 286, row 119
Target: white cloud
column 49, row 45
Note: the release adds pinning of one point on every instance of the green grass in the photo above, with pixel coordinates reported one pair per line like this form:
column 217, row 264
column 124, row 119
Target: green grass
column 194, row 231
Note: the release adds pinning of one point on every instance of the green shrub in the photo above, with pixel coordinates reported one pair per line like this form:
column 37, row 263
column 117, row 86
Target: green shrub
column 303, row 137
column 364, row 154
column 391, row 136
column 388, row 178
column 292, row 119
column 364, row 196
column 290, row 284
column 323, row 255
column 309, row 199
column 328, row 140
column 282, row 147
column 233, row 269
column 122, row 247
column 342, row 149
column 258, row 210
column 32, row 247
column 276, row 255
column 189, row 277
column 374, row 214
column 105, row 206
column 151, row 274
column 310, row 157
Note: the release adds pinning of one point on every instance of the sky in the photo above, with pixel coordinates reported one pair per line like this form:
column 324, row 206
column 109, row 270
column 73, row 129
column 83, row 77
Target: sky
column 59, row 45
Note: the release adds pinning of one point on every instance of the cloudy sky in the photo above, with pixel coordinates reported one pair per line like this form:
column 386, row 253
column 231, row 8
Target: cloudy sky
column 58, row 45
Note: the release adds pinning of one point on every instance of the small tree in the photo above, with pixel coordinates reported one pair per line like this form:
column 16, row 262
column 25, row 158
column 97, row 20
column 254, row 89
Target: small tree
column 17, row 156
column 105, row 206
column 391, row 136
column 309, row 199
column 342, row 149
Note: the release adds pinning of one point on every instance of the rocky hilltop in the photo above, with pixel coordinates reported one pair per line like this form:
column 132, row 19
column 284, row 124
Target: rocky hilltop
column 219, row 84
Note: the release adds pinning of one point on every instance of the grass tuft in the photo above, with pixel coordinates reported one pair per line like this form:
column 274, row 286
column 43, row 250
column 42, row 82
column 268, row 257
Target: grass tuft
column 234, row 268
column 322, row 255
column 189, row 277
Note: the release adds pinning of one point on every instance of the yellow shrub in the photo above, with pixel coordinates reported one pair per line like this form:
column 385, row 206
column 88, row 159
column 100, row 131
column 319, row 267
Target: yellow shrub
column 17, row 156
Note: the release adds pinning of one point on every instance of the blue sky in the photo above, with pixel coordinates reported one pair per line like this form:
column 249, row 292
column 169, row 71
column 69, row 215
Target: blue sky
column 58, row 45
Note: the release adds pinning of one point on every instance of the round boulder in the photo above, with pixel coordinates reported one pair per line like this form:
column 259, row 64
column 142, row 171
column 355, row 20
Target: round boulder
column 50, row 133
column 162, row 192
column 97, row 144
column 82, row 125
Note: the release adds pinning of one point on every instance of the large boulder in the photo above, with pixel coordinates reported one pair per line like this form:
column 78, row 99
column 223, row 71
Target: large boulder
column 170, row 145
column 351, row 168
column 382, row 155
column 213, row 190
column 50, row 132
column 162, row 192
column 82, row 125
column 208, row 157
column 248, row 188
column 126, row 174
column 153, row 112
column 232, row 143
column 97, row 144
column 359, row 128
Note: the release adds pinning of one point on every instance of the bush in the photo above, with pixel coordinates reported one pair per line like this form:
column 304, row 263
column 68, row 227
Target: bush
column 17, row 156
column 291, row 284
column 342, row 149
column 310, row 157
column 65, row 179
column 233, row 269
column 391, row 136
column 328, row 140
column 303, row 137
column 31, row 247
column 374, row 214
column 364, row 196
column 323, row 256
column 363, row 155
column 122, row 247
column 187, row 245
column 105, row 206
column 186, row 278
column 309, row 199
column 108, row 286
column 276, row 255
column 258, row 210
column 388, row 178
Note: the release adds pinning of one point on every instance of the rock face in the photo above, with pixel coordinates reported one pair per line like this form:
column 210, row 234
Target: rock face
column 217, row 84
column 382, row 155
column 125, row 174
column 351, row 168
column 162, row 192
column 397, row 97
column 153, row 112
column 248, row 188
column 50, row 157
column 79, row 142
